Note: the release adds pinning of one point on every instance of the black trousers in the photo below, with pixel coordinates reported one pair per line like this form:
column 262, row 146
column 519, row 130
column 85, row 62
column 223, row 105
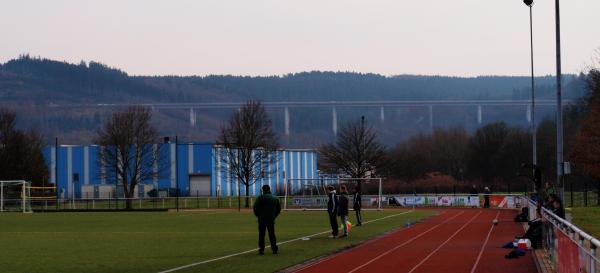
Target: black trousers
column 334, row 223
column 358, row 216
column 261, row 236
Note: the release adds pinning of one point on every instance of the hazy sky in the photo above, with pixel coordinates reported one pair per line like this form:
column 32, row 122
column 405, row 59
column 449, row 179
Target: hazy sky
column 263, row 37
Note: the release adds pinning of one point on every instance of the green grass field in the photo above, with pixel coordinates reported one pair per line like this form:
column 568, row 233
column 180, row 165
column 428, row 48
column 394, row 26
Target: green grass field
column 588, row 219
column 155, row 241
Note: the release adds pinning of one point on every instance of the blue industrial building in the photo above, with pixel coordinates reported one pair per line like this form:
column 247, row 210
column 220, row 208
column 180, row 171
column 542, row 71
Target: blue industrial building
column 195, row 169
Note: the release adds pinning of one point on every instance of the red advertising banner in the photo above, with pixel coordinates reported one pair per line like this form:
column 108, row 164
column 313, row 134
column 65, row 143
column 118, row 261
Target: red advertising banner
column 567, row 253
column 495, row 200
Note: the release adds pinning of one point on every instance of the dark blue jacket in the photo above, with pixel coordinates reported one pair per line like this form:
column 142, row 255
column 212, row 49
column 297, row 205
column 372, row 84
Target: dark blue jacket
column 343, row 204
column 332, row 203
column 356, row 201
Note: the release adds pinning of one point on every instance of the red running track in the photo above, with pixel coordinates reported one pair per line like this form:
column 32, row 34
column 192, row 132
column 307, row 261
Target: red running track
column 455, row 241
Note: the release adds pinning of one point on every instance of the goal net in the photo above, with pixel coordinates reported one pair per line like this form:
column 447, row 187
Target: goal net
column 15, row 195
column 311, row 193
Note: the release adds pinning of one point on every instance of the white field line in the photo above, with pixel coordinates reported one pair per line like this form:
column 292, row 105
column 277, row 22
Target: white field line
column 353, row 249
column 281, row 243
column 405, row 243
column 484, row 244
column 444, row 243
column 203, row 213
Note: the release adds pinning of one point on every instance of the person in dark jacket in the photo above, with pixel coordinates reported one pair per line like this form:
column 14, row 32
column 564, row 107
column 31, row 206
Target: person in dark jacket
column 332, row 208
column 473, row 195
column 357, row 205
column 549, row 204
column 557, row 208
column 486, row 197
column 266, row 209
column 343, row 208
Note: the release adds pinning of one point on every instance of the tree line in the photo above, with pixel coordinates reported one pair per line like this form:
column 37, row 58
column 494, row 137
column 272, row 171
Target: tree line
column 496, row 155
column 33, row 86
column 42, row 80
column 492, row 155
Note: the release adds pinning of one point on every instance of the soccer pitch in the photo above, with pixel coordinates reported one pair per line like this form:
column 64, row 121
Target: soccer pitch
column 157, row 241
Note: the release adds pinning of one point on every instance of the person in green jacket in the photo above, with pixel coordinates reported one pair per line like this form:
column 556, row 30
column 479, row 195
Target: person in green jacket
column 266, row 209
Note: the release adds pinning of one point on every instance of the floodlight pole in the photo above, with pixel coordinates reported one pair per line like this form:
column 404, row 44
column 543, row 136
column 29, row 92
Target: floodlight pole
column 23, row 189
column 380, row 194
column 285, row 188
column 56, row 172
column 533, row 125
column 176, row 172
column 559, row 121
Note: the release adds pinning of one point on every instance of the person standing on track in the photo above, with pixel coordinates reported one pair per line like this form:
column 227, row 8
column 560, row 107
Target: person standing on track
column 332, row 208
column 266, row 209
column 343, row 209
column 357, row 205
column 486, row 197
column 473, row 195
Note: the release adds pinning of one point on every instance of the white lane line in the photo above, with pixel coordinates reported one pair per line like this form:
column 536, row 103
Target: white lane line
column 285, row 242
column 405, row 243
column 444, row 243
column 484, row 244
column 353, row 249
column 203, row 213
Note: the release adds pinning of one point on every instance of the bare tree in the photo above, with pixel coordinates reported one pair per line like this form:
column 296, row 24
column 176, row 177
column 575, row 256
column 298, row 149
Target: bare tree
column 356, row 152
column 21, row 154
column 586, row 150
column 423, row 154
column 128, row 154
column 247, row 144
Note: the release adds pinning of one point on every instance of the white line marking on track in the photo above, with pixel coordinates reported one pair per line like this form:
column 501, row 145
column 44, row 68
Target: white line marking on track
column 405, row 243
column 353, row 249
column 483, row 246
column 284, row 242
column 444, row 243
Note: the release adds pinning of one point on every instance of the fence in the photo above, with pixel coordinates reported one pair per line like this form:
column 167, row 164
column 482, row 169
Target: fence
column 319, row 202
column 568, row 247
column 581, row 198
column 151, row 203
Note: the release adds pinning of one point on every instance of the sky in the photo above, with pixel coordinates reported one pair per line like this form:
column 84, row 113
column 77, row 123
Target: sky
column 276, row 37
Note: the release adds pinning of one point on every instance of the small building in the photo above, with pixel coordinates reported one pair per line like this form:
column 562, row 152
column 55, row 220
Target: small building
column 192, row 169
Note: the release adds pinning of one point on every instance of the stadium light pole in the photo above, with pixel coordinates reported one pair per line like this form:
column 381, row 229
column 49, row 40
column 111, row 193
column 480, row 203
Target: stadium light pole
column 167, row 140
column 56, row 171
column 176, row 172
column 559, row 121
column 529, row 3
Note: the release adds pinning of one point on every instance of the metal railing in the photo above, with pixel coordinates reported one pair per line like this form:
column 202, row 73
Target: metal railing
column 373, row 201
column 148, row 203
column 558, row 234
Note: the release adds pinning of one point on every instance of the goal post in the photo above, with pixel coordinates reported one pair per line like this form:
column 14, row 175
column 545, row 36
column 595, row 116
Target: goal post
column 311, row 193
column 15, row 195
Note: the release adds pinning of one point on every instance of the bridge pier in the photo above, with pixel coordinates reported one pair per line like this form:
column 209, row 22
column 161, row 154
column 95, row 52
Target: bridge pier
column 286, row 118
column 479, row 115
column 334, row 126
column 381, row 114
column 528, row 115
column 431, row 118
column 192, row 117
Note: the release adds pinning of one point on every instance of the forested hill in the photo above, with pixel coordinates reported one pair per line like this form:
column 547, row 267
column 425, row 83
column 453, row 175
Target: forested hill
column 44, row 82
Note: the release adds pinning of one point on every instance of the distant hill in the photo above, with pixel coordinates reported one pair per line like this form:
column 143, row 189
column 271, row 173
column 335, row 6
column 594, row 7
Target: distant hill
column 31, row 85
column 46, row 81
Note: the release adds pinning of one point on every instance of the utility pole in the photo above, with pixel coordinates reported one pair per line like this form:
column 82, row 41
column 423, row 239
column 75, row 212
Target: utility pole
column 559, row 120
column 529, row 3
column 176, row 172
